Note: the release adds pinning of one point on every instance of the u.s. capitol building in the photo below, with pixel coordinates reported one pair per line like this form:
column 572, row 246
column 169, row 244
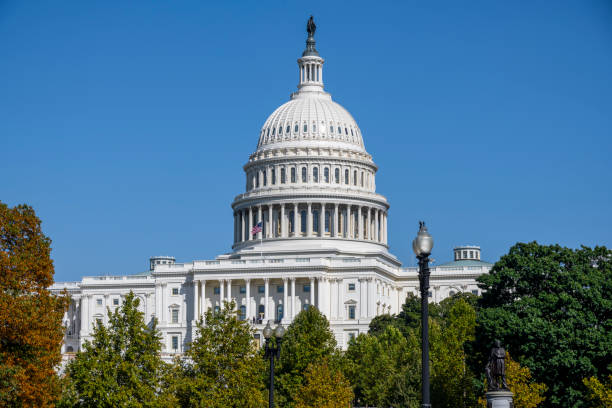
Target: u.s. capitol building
column 323, row 240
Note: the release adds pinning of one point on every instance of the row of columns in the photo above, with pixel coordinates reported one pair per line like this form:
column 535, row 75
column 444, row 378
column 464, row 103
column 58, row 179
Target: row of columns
column 311, row 72
column 364, row 223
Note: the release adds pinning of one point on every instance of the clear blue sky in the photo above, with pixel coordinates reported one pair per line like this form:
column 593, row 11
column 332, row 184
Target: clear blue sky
column 126, row 124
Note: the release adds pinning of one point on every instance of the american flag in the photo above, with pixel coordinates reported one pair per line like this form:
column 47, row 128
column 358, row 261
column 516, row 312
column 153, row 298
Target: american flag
column 256, row 228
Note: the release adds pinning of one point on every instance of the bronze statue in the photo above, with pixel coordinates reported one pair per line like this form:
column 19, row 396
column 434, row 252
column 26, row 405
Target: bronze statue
column 311, row 27
column 496, row 368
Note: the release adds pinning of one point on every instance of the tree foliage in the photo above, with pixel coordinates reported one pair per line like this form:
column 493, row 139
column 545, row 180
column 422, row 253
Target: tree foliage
column 121, row 366
column 222, row 366
column 599, row 394
column 31, row 329
column 324, row 387
column 384, row 369
column 308, row 340
column 551, row 307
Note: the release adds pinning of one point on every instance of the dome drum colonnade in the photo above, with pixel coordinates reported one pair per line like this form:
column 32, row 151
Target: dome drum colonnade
column 310, row 176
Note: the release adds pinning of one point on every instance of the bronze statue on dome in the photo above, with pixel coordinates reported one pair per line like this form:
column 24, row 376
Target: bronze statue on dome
column 311, row 27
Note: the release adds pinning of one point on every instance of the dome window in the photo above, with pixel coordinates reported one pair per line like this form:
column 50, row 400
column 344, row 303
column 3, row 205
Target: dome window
column 304, row 175
column 352, row 132
column 346, row 176
column 305, row 128
column 346, row 131
column 339, row 130
column 293, row 177
column 315, row 174
column 273, row 131
column 331, row 129
column 326, row 174
column 283, row 176
column 314, row 128
column 296, row 129
column 288, row 130
column 268, row 134
column 303, row 221
column 337, row 176
column 265, row 178
column 273, row 171
column 355, row 177
column 280, row 130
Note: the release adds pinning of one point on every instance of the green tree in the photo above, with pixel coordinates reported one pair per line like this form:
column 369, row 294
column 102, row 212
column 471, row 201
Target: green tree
column 384, row 369
column 451, row 379
column 600, row 394
column 308, row 340
column 222, row 367
column 324, row 387
column 551, row 308
column 121, row 366
column 31, row 329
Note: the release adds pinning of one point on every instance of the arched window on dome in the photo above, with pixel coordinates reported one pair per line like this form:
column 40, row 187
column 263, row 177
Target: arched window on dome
column 315, row 221
column 346, row 131
column 326, row 174
column 273, row 175
column 288, row 130
column 304, row 175
column 346, row 176
column 296, row 128
column 283, row 176
column 352, row 132
column 314, row 128
column 273, row 131
column 355, row 220
column 362, row 184
column 303, row 221
column 268, row 133
column 355, row 177
column 265, row 177
column 293, row 177
column 257, row 180
column 331, row 129
column 339, row 130
column 337, row 175
column 327, row 217
column 280, row 130
column 315, row 174
column 305, row 128
column 291, row 222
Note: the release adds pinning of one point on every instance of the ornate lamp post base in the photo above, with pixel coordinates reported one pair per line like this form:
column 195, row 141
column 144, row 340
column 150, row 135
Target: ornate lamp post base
column 500, row 399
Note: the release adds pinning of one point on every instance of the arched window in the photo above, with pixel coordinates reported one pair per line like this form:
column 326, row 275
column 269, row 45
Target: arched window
column 339, row 130
column 293, row 178
column 69, row 349
column 303, row 221
column 268, row 133
column 288, row 129
column 352, row 132
column 291, row 221
column 346, row 176
column 261, row 310
column 315, row 174
column 327, row 219
column 280, row 130
column 315, row 221
column 346, row 131
column 296, row 128
column 337, row 175
column 279, row 312
column 305, row 128
column 326, row 174
column 355, row 220
column 257, row 179
column 331, row 129
column 273, row 171
column 314, row 128
column 355, row 177
column 265, row 178
column 242, row 313
column 273, row 131
column 283, row 176
column 304, row 175
column 362, row 179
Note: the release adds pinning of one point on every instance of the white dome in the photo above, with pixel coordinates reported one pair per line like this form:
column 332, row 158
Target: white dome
column 311, row 117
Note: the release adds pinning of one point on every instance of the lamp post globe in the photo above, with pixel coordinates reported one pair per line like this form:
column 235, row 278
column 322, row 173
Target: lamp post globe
column 267, row 331
column 422, row 246
column 279, row 332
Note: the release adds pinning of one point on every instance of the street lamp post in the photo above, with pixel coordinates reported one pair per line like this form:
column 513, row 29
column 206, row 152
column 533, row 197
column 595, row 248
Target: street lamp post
column 422, row 246
column 272, row 352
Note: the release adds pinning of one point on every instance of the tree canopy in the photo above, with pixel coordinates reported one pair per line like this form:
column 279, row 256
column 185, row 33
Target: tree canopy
column 551, row 307
column 324, row 387
column 121, row 366
column 31, row 329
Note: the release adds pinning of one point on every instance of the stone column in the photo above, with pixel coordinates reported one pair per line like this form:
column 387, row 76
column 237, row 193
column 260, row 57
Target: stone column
column 195, row 302
column 385, row 227
column 250, row 221
column 158, row 302
column 368, row 224
column 333, row 298
column 229, row 290
column 266, row 299
column 296, row 217
column 321, row 298
column 285, row 296
column 221, row 295
column 202, row 298
column 336, row 223
column 259, row 219
column 243, row 224
column 309, row 220
column 376, row 226
column 293, row 314
column 322, row 221
column 84, row 315
column 371, row 298
column 363, row 298
column 283, row 221
column 247, row 311
column 164, row 297
column 341, row 299
column 312, row 291
column 358, row 224
column 235, row 223
column 270, row 228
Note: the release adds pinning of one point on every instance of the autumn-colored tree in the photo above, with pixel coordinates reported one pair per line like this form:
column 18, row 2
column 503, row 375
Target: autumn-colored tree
column 222, row 368
column 120, row 367
column 600, row 394
column 527, row 392
column 30, row 316
column 324, row 387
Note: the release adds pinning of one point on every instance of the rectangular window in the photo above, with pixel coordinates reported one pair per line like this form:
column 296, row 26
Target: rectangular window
column 351, row 286
column 475, row 292
column 280, row 289
column 115, row 301
column 471, row 254
column 304, row 174
column 293, row 174
column 99, row 302
column 261, row 289
column 283, row 175
column 306, row 288
column 243, row 289
column 217, row 309
column 351, row 311
column 216, row 290
column 351, row 336
column 174, row 343
column 175, row 291
column 273, row 176
column 175, row 316
column 429, row 294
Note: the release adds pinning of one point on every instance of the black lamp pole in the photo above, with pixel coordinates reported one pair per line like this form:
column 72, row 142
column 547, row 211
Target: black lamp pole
column 272, row 353
column 422, row 246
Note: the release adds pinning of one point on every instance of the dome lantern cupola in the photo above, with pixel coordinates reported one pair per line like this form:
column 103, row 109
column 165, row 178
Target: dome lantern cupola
column 311, row 63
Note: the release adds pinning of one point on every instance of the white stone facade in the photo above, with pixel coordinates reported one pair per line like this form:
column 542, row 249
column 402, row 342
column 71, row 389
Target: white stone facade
column 312, row 186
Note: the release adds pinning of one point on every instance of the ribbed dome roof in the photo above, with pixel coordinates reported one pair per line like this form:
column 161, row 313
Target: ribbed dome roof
column 308, row 117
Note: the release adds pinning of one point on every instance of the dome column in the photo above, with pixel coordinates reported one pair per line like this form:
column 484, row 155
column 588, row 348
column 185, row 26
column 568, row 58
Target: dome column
column 283, row 221
column 249, row 223
column 358, row 224
column 369, row 224
column 309, row 220
column 259, row 219
column 336, row 223
column 322, row 221
column 295, row 220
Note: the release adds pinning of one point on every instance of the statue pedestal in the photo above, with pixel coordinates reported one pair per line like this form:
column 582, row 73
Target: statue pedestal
column 499, row 399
